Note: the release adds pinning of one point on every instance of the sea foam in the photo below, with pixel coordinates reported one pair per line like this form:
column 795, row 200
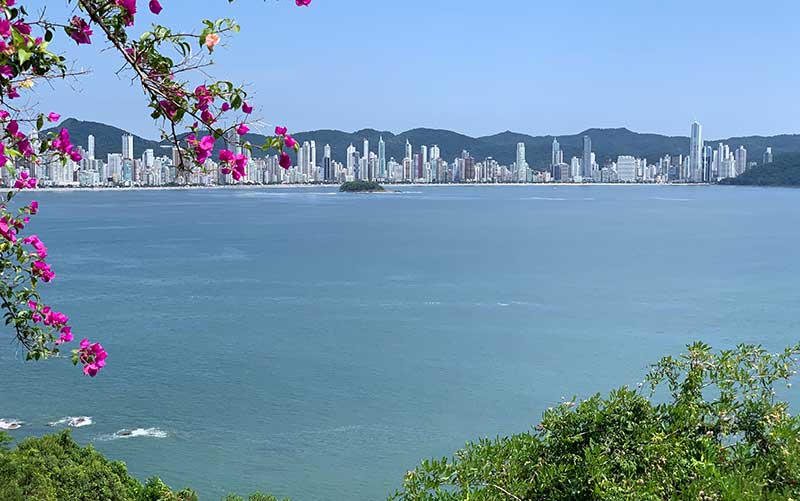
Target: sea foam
column 73, row 421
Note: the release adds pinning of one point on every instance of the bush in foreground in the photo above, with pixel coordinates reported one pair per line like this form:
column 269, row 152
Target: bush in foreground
column 718, row 433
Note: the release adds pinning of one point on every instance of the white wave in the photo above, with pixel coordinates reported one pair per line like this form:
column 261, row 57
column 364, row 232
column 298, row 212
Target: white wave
column 73, row 421
column 503, row 304
column 673, row 199
column 136, row 433
column 10, row 424
column 546, row 198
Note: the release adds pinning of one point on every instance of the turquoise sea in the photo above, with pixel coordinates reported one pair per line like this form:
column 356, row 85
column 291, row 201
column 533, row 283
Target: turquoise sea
column 317, row 345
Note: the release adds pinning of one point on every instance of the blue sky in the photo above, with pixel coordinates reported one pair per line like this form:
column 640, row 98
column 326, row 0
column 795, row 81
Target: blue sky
column 481, row 67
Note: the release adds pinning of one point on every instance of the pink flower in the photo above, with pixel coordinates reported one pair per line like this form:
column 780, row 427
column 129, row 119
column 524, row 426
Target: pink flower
column 80, row 31
column 66, row 335
column 92, row 356
column 280, row 131
column 247, row 108
column 285, row 160
column 170, row 109
column 290, row 142
column 203, row 96
column 7, row 230
column 5, row 28
column 42, row 270
column 6, row 71
column 212, row 39
column 129, row 10
column 208, row 117
column 226, row 106
column 239, row 167
column 242, row 129
column 155, row 7
column 302, row 3
column 33, row 208
column 23, row 27
column 4, row 115
column 53, row 116
column 226, row 156
column 37, row 244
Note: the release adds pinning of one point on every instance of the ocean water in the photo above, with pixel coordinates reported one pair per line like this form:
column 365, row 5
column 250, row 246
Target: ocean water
column 317, row 345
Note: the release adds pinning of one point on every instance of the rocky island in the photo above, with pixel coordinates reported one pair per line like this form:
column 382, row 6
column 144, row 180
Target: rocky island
column 361, row 187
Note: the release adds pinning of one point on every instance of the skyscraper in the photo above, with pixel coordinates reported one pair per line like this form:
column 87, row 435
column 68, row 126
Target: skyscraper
column 741, row 160
column 351, row 160
column 327, row 164
column 90, row 149
column 557, row 155
column 695, row 173
column 382, row 159
column 409, row 151
column 127, row 146
column 587, row 157
column 522, row 163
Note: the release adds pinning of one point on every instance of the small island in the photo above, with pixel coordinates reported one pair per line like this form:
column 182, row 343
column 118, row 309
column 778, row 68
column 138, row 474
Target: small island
column 361, row 187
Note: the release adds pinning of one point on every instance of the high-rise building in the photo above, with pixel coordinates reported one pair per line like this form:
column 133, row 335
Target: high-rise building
column 626, row 168
column 382, row 159
column 587, row 157
column 521, row 163
column 327, row 164
column 351, row 160
column 695, row 173
column 127, row 146
column 409, row 151
column 436, row 153
column 557, row 156
column 741, row 160
column 90, row 146
column 767, row 159
column 365, row 150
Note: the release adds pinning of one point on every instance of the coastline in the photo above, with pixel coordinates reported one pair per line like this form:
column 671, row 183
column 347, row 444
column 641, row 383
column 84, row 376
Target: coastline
column 395, row 187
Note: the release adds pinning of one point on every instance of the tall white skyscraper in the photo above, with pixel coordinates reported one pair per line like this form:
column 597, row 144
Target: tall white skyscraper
column 382, row 159
column 351, row 159
column 424, row 152
column 522, row 163
column 741, row 160
column 409, row 151
column 127, row 146
column 588, row 159
column 696, row 153
column 312, row 159
column 436, row 153
column 90, row 149
column 365, row 151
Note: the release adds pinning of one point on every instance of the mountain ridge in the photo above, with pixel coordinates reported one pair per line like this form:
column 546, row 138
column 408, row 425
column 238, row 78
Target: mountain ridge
column 607, row 143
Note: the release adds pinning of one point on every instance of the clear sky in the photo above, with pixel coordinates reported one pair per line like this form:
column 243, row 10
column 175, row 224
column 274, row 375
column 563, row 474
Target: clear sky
column 481, row 67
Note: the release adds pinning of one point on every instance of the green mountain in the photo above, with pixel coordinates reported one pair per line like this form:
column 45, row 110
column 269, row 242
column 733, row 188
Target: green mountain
column 607, row 143
column 784, row 171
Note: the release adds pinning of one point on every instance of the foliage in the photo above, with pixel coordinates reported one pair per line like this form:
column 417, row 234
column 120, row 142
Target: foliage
column 194, row 114
column 360, row 186
column 56, row 468
column 784, row 171
column 717, row 433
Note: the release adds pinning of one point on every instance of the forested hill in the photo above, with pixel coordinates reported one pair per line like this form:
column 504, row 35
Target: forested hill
column 784, row 171
column 607, row 143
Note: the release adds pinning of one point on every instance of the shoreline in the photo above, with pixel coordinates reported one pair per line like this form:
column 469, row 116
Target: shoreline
column 390, row 187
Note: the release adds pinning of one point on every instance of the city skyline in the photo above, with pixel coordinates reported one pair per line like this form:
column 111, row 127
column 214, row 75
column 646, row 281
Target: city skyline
column 702, row 164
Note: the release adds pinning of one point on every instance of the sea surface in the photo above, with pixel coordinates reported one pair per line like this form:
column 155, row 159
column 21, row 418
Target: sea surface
column 318, row 345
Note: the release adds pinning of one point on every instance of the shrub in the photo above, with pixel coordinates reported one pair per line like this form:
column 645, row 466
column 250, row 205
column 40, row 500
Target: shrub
column 705, row 427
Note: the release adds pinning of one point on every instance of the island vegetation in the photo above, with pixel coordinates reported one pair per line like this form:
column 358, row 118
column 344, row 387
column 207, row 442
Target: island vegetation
column 361, row 187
